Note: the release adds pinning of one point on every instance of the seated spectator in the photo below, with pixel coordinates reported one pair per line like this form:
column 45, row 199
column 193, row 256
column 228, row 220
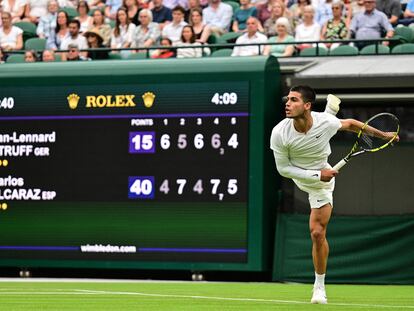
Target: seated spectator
column 218, row 16
column 133, row 9
column 95, row 41
column 147, row 33
column 357, row 6
column 68, row 3
column 111, row 8
column 161, row 14
column 86, row 21
column 34, row 10
column 1, row 56
column 74, row 37
column 48, row 56
column 297, row 10
column 123, row 32
column 264, row 10
column 242, row 14
column 11, row 37
column 173, row 30
column 188, row 38
column 16, row 8
column 278, row 10
column 30, row 56
column 324, row 13
column 370, row 25
column 192, row 5
column 171, row 4
column 391, row 8
column 282, row 30
column 251, row 36
column 100, row 26
column 47, row 23
column 408, row 14
column 335, row 28
column 61, row 31
column 308, row 30
column 202, row 32
column 74, row 54
column 96, row 4
column 164, row 53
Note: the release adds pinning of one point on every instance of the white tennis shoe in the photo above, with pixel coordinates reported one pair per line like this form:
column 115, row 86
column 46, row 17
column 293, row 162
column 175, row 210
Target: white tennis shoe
column 319, row 296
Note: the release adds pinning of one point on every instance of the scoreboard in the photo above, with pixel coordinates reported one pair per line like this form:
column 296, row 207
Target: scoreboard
column 142, row 166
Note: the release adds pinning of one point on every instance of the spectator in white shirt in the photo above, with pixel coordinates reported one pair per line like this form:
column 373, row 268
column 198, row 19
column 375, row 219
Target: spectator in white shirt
column 251, row 36
column 123, row 32
column 173, row 3
column 86, row 21
column 74, row 38
column 308, row 30
column 15, row 8
column 35, row 9
column 188, row 38
column 218, row 16
column 174, row 29
column 11, row 37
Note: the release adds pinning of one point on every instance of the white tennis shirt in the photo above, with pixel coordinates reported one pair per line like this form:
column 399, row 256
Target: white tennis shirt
column 301, row 156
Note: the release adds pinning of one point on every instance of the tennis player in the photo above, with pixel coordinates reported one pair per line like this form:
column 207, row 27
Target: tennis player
column 300, row 145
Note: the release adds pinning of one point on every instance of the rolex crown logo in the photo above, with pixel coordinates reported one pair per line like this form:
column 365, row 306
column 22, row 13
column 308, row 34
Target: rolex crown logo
column 73, row 100
column 148, row 98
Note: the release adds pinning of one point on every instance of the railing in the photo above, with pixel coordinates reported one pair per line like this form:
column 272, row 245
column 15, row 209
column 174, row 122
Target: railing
column 316, row 44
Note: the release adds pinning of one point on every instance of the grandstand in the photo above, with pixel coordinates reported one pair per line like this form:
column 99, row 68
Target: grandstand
column 132, row 167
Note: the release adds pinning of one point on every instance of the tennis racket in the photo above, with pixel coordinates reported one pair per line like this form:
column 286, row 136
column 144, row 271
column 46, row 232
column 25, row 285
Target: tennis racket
column 376, row 134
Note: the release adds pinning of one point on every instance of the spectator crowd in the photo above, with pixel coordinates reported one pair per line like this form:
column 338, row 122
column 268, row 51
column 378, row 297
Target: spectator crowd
column 134, row 25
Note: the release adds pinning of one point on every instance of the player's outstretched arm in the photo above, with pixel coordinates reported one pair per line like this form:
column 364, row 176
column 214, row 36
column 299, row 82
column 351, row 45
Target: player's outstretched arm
column 353, row 125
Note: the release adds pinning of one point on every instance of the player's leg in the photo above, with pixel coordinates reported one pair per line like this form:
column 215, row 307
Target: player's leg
column 318, row 222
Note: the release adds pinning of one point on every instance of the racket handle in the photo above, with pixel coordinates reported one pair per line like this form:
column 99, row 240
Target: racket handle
column 340, row 164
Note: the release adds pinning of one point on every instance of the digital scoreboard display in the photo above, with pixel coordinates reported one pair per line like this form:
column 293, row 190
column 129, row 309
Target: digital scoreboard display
column 125, row 174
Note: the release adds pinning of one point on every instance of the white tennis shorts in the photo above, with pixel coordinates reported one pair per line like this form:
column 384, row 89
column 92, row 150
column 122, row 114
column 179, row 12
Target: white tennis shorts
column 319, row 193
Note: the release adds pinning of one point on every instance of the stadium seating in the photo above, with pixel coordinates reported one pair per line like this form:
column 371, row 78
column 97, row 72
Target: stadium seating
column 373, row 50
column 29, row 29
column 229, row 37
column 313, row 51
column 404, row 33
column 343, row 50
column 36, row 44
column 405, row 48
column 140, row 55
column 72, row 12
column 114, row 56
column 221, row 53
column 15, row 58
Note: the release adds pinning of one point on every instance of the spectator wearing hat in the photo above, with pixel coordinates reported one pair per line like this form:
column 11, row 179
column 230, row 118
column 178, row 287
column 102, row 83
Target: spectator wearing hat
column 95, row 41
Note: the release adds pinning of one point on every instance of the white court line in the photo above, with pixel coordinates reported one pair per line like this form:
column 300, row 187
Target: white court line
column 241, row 299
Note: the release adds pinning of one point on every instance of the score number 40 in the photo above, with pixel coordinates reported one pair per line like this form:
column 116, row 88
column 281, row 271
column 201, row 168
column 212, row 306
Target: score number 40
column 7, row 103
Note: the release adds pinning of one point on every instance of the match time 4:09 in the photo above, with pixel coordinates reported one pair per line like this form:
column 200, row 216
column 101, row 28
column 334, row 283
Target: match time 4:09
column 224, row 99
column 144, row 187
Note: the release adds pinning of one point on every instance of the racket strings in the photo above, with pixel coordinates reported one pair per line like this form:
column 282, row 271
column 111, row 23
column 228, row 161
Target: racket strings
column 379, row 131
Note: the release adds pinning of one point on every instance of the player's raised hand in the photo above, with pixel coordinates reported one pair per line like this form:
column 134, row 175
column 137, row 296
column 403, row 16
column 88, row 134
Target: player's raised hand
column 327, row 174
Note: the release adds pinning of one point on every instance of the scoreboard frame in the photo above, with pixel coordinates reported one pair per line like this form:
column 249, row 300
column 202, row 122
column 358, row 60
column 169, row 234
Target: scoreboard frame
column 263, row 77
